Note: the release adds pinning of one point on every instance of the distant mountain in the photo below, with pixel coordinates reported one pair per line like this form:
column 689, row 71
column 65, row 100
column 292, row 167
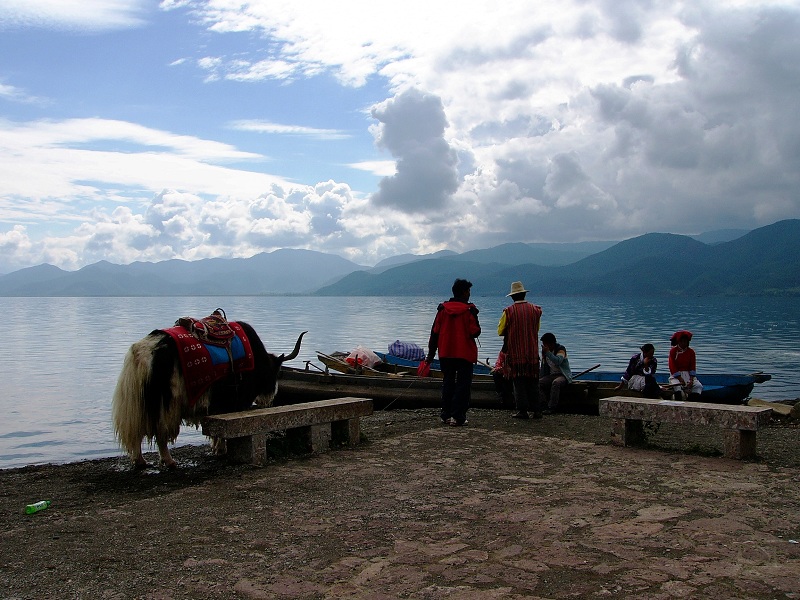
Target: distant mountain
column 31, row 276
column 719, row 236
column 402, row 259
column 514, row 253
column 421, row 278
column 555, row 254
column 765, row 261
column 273, row 273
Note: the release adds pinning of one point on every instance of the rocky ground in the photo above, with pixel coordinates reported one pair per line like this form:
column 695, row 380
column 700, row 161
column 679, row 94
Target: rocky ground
column 497, row 509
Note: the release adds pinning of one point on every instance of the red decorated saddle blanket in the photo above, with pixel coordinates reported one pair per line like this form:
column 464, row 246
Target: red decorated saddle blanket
column 205, row 364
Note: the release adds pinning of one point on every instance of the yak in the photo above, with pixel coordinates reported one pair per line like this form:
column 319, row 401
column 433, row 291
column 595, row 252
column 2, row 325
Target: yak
column 154, row 394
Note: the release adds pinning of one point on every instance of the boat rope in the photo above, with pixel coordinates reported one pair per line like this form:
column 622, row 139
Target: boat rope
column 412, row 381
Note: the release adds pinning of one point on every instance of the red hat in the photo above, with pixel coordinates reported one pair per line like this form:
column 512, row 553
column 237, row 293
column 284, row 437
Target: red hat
column 679, row 334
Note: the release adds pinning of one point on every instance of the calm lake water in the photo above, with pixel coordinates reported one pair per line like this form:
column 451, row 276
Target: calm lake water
column 61, row 356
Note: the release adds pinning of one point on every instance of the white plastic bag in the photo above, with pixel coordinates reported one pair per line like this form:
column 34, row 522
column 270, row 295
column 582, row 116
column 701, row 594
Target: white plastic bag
column 363, row 357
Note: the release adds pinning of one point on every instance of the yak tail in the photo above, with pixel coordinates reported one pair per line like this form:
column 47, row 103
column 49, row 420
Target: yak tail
column 128, row 412
column 295, row 352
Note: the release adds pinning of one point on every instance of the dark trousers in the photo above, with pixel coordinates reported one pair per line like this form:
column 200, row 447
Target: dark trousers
column 456, row 384
column 550, row 387
column 526, row 396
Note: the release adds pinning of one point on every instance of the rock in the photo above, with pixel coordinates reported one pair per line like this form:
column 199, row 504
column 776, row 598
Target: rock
column 777, row 407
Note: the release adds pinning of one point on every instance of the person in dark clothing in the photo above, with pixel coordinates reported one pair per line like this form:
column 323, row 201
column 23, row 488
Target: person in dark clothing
column 554, row 374
column 453, row 334
column 640, row 376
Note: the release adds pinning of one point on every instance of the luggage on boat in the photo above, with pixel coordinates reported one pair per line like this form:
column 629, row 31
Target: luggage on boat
column 408, row 350
column 363, row 357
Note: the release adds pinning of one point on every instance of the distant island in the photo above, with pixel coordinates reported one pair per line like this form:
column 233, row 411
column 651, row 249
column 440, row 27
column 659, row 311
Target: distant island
column 761, row 262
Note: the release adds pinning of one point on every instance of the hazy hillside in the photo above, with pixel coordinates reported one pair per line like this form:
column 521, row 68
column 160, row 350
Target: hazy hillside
column 402, row 259
column 279, row 272
column 556, row 254
column 513, row 253
column 420, row 278
column 31, row 276
column 764, row 261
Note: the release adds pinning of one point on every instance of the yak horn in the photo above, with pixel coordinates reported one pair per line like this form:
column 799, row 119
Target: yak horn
column 296, row 350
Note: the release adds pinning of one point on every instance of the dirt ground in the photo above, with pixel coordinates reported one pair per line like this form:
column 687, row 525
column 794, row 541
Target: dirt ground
column 497, row 509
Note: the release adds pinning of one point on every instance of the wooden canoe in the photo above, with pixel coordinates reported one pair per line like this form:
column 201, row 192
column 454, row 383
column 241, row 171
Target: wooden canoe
column 401, row 391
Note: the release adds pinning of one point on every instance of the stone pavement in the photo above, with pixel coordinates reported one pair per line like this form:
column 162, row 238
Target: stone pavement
column 475, row 513
column 441, row 512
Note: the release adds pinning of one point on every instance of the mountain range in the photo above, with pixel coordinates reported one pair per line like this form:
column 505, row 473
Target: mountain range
column 764, row 261
column 274, row 273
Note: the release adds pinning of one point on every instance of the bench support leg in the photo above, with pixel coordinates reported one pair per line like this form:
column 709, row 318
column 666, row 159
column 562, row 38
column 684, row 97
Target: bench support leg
column 249, row 449
column 347, row 432
column 312, row 438
column 739, row 443
column 627, row 432
column 320, row 437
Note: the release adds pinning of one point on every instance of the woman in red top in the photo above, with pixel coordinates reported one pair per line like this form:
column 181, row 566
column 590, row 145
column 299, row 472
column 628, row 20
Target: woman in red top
column 683, row 366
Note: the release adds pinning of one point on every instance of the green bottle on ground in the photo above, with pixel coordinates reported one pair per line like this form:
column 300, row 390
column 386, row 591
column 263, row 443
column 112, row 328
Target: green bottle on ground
column 37, row 506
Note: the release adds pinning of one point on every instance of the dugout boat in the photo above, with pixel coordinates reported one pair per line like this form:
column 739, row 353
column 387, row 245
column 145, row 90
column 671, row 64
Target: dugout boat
column 387, row 390
column 719, row 388
column 396, row 374
column 407, row 391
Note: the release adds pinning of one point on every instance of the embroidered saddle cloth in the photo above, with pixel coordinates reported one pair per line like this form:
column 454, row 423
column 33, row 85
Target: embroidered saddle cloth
column 204, row 364
column 213, row 329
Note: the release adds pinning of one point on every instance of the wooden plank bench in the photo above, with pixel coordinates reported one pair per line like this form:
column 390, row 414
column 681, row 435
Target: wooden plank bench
column 316, row 424
column 739, row 423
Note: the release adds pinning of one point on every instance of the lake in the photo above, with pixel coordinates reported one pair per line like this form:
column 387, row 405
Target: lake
column 61, row 356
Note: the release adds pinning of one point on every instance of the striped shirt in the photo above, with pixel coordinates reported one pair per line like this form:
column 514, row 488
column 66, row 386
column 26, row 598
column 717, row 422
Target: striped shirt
column 519, row 325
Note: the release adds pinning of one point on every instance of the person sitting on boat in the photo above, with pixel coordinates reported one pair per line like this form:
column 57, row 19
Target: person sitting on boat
column 640, row 376
column 453, row 334
column 683, row 366
column 554, row 374
column 519, row 327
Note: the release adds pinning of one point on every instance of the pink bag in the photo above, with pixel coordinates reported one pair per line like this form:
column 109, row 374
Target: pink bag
column 424, row 369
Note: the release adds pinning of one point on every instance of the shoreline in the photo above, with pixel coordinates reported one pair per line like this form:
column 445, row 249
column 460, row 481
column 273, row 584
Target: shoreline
column 786, row 418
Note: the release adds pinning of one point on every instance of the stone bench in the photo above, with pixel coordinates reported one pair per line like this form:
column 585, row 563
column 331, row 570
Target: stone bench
column 315, row 424
column 739, row 423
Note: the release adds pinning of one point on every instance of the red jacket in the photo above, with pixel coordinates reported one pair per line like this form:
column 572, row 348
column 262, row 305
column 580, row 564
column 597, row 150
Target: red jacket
column 682, row 360
column 454, row 331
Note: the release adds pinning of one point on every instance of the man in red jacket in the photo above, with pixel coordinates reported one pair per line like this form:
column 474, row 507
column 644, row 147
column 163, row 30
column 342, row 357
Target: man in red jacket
column 453, row 333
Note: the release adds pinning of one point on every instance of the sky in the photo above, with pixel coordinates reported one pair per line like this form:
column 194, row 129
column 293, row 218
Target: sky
column 146, row 130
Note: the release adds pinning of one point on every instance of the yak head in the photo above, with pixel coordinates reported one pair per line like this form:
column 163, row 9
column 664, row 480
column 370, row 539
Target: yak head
column 259, row 385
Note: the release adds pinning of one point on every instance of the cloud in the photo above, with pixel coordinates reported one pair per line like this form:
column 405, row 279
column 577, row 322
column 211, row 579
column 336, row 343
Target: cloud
column 382, row 168
column 15, row 94
column 92, row 15
column 104, row 160
column 297, row 130
column 492, row 122
column 412, row 127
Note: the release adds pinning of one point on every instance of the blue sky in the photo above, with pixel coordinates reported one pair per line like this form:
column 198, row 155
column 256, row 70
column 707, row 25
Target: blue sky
column 145, row 130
